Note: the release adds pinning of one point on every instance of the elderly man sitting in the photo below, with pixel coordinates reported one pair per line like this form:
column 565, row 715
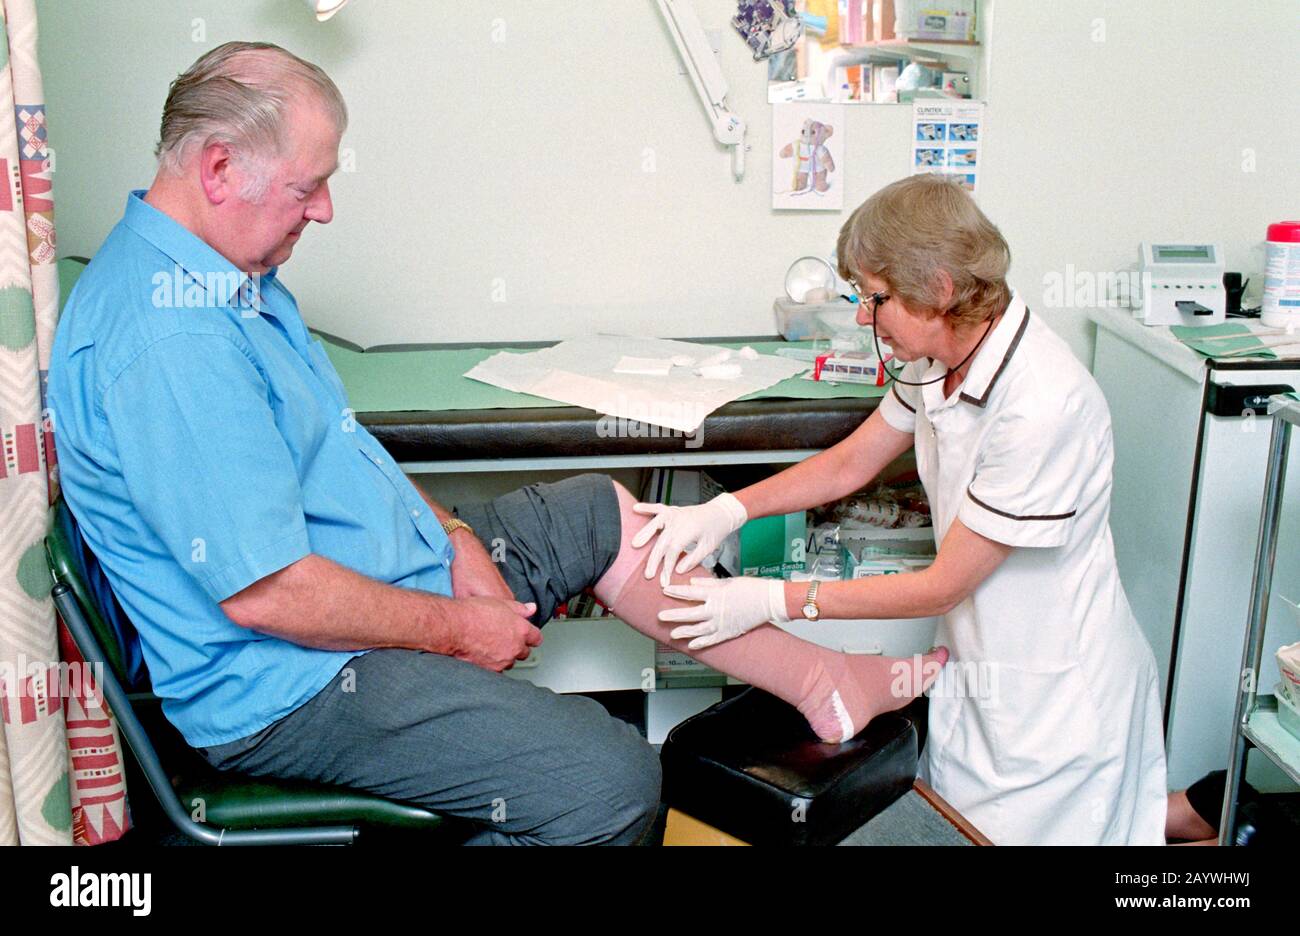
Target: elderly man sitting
column 304, row 610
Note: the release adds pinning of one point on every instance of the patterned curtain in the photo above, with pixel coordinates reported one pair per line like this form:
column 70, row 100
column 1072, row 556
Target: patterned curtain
column 61, row 776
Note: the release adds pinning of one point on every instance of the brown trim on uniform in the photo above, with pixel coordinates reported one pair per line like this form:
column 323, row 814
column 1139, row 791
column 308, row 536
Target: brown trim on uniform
column 899, row 397
column 1006, row 359
column 1011, row 516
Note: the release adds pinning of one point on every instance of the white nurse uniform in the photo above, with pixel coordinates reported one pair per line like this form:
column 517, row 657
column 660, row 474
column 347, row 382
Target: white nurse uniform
column 1045, row 726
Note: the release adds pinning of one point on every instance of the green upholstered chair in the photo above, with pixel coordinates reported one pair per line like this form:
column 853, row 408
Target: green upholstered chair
column 234, row 809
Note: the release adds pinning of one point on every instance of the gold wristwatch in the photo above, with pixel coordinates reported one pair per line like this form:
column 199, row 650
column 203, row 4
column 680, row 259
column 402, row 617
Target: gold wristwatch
column 810, row 609
column 451, row 526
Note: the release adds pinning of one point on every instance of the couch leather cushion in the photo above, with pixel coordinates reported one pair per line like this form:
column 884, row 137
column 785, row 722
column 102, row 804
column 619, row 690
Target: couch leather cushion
column 568, row 431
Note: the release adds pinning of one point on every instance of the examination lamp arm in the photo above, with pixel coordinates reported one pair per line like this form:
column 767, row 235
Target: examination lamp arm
column 706, row 76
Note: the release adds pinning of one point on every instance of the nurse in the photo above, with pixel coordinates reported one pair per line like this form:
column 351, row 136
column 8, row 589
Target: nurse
column 1045, row 726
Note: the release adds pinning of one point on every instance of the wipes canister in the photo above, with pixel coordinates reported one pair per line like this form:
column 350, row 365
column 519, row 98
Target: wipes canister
column 1281, row 304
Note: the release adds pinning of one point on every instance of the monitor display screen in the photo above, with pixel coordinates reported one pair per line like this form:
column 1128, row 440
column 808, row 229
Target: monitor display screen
column 1183, row 253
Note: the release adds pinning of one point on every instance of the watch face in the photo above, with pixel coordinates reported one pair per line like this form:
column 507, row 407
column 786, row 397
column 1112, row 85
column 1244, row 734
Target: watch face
column 810, row 611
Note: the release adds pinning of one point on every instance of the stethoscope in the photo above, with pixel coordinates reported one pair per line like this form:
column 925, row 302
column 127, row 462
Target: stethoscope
column 876, row 299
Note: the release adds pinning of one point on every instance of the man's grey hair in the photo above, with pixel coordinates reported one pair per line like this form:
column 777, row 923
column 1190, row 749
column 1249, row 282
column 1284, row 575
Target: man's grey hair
column 237, row 95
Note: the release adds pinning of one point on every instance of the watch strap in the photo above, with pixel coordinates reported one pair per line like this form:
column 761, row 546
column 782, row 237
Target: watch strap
column 451, row 526
column 811, row 599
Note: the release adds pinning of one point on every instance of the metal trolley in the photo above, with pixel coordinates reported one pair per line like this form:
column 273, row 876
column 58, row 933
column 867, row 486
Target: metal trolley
column 1255, row 723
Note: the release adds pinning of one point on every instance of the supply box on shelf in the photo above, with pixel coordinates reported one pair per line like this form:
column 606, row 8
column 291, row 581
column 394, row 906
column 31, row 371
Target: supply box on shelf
column 1288, row 665
column 809, row 321
column 1288, row 715
column 943, row 20
column 769, row 547
column 885, row 552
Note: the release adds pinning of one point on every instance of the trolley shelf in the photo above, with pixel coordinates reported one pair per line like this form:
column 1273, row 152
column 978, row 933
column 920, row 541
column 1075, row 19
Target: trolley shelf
column 1255, row 723
column 1266, row 733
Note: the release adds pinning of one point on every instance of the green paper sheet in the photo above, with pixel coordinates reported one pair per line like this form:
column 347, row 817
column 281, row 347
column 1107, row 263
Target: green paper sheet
column 1194, row 336
column 398, row 381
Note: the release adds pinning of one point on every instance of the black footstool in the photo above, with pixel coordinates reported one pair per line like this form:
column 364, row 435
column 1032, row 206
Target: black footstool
column 753, row 769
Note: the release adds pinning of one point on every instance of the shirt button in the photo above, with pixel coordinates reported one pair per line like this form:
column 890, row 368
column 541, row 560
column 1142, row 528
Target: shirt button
column 415, row 513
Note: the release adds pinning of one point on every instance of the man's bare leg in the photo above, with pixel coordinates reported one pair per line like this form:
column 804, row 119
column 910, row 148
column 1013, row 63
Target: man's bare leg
column 839, row 693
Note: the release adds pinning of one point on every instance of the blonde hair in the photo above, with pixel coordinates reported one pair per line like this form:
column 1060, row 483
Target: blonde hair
column 912, row 229
column 237, row 95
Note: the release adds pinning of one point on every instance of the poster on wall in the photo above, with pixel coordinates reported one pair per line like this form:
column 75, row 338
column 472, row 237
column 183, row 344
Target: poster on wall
column 946, row 139
column 808, row 157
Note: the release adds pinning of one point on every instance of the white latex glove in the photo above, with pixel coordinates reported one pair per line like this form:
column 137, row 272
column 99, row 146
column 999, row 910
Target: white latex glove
column 729, row 608
column 703, row 526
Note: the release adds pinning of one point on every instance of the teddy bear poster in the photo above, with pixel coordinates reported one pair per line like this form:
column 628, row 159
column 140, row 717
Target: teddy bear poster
column 808, row 157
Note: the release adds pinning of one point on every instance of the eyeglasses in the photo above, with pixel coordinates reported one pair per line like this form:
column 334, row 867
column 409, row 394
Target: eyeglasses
column 875, row 300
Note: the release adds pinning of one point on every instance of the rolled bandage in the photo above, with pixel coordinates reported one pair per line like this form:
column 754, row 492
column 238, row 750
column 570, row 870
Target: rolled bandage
column 719, row 358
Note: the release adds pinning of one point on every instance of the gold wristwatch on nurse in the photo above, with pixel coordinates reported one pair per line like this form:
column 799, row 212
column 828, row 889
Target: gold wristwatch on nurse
column 810, row 609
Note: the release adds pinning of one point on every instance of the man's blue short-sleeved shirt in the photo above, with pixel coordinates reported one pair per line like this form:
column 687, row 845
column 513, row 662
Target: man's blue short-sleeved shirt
column 205, row 442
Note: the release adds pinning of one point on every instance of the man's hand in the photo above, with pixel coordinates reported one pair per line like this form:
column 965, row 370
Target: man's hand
column 495, row 632
column 473, row 573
